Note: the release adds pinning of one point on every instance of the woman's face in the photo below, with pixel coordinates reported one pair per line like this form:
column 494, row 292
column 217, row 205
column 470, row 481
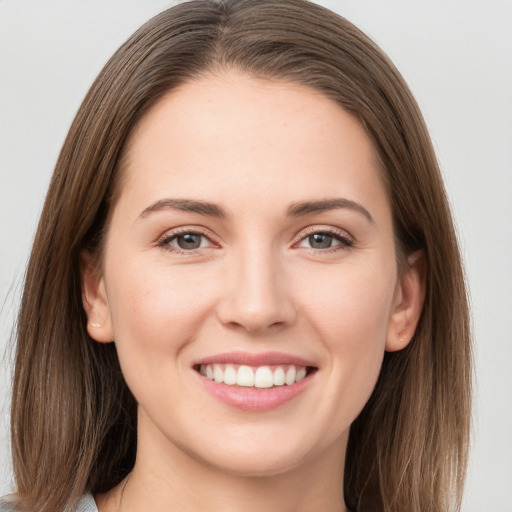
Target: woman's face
column 251, row 243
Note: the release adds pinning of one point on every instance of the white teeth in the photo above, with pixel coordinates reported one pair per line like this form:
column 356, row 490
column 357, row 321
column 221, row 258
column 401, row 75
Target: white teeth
column 260, row 377
column 278, row 376
column 290, row 375
column 263, row 377
column 245, row 376
column 218, row 374
column 300, row 374
column 230, row 375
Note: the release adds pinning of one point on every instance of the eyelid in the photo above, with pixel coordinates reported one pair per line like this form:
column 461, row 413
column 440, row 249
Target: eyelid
column 182, row 230
column 339, row 234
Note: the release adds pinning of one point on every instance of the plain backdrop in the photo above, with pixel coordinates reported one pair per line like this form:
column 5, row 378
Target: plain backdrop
column 457, row 57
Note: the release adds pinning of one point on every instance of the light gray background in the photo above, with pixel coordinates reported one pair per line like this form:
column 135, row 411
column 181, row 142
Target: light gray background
column 456, row 56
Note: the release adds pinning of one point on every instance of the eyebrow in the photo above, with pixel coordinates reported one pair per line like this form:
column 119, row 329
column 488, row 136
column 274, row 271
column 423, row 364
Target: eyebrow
column 186, row 205
column 295, row 210
column 312, row 207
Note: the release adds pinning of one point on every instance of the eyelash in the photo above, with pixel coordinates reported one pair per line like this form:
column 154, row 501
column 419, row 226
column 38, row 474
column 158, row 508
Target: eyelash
column 165, row 240
column 345, row 240
column 341, row 236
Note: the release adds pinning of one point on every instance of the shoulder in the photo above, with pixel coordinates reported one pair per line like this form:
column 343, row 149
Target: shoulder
column 7, row 504
column 86, row 504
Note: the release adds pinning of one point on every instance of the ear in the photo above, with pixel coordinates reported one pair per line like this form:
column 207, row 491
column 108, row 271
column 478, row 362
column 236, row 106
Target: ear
column 95, row 300
column 408, row 303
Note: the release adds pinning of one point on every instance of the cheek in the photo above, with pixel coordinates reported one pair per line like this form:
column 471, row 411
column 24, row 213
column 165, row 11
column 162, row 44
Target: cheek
column 350, row 316
column 156, row 313
column 353, row 308
column 156, row 307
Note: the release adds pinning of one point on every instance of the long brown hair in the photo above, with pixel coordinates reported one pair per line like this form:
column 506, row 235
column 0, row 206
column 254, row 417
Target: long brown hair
column 73, row 417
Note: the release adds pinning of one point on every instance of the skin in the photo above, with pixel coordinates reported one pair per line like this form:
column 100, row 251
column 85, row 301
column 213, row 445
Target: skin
column 256, row 284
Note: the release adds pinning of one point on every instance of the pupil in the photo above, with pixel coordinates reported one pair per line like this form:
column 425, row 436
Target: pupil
column 320, row 241
column 189, row 241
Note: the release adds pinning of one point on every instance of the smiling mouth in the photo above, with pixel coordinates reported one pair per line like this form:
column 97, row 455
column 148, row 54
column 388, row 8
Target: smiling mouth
column 259, row 377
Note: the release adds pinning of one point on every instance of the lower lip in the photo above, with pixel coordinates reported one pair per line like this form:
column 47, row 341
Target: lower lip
column 254, row 399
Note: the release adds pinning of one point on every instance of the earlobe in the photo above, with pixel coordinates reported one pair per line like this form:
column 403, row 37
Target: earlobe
column 408, row 303
column 95, row 301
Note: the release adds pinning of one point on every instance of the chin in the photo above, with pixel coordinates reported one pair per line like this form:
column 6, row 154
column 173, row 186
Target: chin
column 257, row 464
column 270, row 455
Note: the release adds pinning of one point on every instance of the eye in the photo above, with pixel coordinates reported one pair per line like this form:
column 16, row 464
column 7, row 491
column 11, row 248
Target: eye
column 185, row 241
column 189, row 241
column 325, row 240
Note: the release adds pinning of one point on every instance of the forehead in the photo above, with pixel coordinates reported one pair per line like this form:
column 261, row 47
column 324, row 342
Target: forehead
column 219, row 134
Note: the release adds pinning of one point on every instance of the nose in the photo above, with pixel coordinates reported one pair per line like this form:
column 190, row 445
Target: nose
column 257, row 297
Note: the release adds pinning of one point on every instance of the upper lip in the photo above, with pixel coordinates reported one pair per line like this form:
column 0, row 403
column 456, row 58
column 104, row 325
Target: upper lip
column 250, row 359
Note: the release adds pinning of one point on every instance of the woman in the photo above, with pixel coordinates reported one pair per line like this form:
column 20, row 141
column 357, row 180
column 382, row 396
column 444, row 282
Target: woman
column 245, row 289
